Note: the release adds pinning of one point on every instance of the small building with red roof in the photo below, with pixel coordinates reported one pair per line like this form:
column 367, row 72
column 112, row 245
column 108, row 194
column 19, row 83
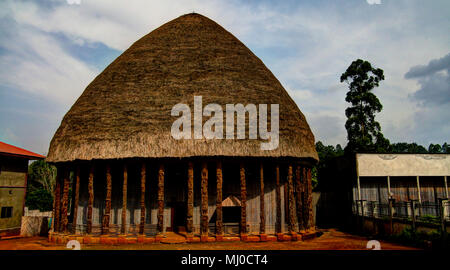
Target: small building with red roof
column 13, row 186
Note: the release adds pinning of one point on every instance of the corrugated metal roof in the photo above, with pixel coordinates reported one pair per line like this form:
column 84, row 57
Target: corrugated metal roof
column 11, row 150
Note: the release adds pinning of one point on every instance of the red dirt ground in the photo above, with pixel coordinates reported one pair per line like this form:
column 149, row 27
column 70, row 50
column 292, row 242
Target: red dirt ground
column 331, row 239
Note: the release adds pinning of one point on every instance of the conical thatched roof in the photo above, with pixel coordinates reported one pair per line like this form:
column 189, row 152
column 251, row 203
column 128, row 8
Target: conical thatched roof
column 126, row 111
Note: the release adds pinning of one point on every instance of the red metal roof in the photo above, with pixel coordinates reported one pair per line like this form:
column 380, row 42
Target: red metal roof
column 11, row 150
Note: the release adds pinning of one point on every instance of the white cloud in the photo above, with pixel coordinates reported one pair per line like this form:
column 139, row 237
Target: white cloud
column 74, row 2
column 374, row 2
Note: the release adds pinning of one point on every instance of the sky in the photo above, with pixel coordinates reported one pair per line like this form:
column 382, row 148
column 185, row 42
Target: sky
column 50, row 50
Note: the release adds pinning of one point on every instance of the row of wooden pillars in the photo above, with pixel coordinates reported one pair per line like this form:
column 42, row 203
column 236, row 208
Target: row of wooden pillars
column 299, row 198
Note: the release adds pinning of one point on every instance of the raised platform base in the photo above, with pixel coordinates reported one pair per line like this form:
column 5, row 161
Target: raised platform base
column 60, row 238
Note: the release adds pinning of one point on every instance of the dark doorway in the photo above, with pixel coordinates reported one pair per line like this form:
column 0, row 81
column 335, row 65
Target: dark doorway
column 179, row 210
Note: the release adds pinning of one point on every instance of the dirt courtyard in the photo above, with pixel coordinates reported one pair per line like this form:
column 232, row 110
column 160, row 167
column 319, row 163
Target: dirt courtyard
column 331, row 239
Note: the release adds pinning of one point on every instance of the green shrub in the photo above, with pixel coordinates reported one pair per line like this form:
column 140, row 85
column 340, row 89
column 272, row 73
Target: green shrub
column 40, row 199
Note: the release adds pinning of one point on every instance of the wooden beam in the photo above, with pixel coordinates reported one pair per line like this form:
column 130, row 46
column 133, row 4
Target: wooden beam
column 65, row 200
column 291, row 224
column 124, row 199
column 57, row 211
column 107, row 213
column 298, row 189
column 310, row 205
column 204, row 201
column 305, row 198
column 278, row 199
column 286, row 201
column 262, row 214
column 142, row 224
column 219, row 217
column 190, row 200
column 243, row 199
column 160, row 226
column 91, row 199
column 76, row 199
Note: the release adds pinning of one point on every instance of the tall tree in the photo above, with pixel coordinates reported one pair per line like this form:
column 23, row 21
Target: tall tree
column 41, row 175
column 363, row 132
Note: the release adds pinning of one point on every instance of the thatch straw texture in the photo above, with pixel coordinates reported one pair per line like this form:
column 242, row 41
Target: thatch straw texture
column 125, row 111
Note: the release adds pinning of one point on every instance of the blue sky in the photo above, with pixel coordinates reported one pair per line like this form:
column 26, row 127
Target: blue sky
column 51, row 50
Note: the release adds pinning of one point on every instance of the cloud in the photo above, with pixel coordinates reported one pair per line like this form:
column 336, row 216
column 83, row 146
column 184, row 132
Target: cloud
column 434, row 81
column 74, row 2
column 374, row 2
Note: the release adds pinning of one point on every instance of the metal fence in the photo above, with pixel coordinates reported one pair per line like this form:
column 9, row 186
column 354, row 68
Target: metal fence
column 424, row 211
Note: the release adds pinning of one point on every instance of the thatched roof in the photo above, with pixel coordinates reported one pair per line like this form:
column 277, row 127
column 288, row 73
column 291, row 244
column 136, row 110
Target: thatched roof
column 126, row 111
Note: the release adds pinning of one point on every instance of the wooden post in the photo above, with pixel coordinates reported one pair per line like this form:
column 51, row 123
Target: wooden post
column 91, row 199
column 65, row 201
column 57, row 211
column 204, row 203
column 124, row 199
column 298, row 186
column 291, row 224
column 190, row 200
column 286, row 201
column 262, row 214
column 243, row 201
column 305, row 199
column 160, row 226
column 106, row 215
column 142, row 224
column 310, row 205
column 219, row 217
column 76, row 199
column 278, row 199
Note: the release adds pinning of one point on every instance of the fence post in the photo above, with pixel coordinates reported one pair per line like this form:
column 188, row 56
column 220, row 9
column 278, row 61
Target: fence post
column 413, row 214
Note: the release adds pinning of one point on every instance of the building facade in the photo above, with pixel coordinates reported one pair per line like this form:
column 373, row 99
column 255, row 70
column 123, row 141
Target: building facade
column 13, row 186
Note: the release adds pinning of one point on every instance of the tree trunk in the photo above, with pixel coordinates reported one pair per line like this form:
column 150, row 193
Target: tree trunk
column 204, row 200
column 298, row 186
column 161, row 198
column 262, row 214
column 243, row 200
column 91, row 199
column 142, row 224
column 190, row 199
column 106, row 215
column 219, row 218
column 124, row 199
column 76, row 199
column 278, row 199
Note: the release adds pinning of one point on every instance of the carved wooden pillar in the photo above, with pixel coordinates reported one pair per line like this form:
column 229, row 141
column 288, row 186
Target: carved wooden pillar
column 160, row 226
column 243, row 200
column 278, row 200
column 298, row 189
column 107, row 213
column 142, row 224
column 305, row 199
column 204, row 201
column 286, row 200
column 57, row 209
column 219, row 217
column 91, row 199
column 310, row 206
column 124, row 199
column 291, row 224
column 190, row 200
column 262, row 214
column 65, row 200
column 76, row 199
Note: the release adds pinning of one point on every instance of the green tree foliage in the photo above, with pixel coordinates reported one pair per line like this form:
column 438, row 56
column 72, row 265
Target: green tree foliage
column 39, row 199
column 41, row 183
column 41, row 175
column 363, row 132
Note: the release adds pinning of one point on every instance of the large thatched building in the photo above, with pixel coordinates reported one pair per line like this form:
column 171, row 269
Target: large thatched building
column 132, row 177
